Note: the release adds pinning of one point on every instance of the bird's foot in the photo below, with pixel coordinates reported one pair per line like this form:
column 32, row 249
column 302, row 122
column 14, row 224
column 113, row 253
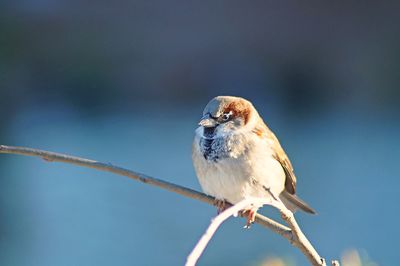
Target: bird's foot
column 221, row 205
column 251, row 217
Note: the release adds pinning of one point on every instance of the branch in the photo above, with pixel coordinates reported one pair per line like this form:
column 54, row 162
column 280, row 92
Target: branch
column 294, row 234
column 212, row 228
column 299, row 239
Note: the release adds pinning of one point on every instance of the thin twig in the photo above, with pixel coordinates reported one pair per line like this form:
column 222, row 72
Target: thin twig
column 187, row 192
column 299, row 239
column 212, row 228
column 294, row 234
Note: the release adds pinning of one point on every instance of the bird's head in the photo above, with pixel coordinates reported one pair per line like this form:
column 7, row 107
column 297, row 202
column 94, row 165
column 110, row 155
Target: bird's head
column 227, row 114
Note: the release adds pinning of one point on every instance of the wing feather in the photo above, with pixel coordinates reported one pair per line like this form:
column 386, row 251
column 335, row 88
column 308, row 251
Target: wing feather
column 281, row 157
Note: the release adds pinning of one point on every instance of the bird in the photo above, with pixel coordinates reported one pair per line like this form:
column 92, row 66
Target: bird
column 236, row 156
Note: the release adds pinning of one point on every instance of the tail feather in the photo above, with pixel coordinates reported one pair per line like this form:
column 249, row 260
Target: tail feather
column 293, row 202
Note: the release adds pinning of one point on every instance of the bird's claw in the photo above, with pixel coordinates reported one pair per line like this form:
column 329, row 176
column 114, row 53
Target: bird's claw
column 251, row 217
column 221, row 205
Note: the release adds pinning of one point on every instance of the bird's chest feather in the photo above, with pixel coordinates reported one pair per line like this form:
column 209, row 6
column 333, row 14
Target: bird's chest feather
column 215, row 148
column 237, row 167
column 223, row 167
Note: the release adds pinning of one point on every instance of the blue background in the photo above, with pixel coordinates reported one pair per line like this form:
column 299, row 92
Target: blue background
column 125, row 82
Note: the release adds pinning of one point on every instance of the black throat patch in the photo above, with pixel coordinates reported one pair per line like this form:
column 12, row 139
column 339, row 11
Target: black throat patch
column 209, row 132
column 206, row 144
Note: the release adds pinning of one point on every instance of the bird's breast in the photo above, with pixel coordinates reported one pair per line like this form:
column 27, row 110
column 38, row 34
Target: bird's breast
column 213, row 149
column 235, row 168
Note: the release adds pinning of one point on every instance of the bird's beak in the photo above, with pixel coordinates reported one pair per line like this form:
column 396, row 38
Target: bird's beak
column 207, row 121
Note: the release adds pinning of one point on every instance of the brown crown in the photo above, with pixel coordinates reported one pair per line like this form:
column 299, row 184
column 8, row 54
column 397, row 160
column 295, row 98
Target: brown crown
column 239, row 109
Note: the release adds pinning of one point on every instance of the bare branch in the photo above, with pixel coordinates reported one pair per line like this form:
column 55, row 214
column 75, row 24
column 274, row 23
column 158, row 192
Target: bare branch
column 299, row 239
column 294, row 234
column 212, row 228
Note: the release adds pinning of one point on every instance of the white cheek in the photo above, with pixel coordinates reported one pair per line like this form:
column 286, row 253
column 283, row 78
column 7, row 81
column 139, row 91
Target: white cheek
column 226, row 129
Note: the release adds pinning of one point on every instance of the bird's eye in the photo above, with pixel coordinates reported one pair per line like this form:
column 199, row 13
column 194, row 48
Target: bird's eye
column 226, row 116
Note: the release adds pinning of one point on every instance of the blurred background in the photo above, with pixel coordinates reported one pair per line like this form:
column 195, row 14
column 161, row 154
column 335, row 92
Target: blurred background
column 125, row 82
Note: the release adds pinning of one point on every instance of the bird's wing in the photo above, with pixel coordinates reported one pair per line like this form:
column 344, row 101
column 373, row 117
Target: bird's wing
column 281, row 157
column 288, row 196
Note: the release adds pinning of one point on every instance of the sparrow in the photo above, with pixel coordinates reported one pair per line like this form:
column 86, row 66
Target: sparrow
column 236, row 157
